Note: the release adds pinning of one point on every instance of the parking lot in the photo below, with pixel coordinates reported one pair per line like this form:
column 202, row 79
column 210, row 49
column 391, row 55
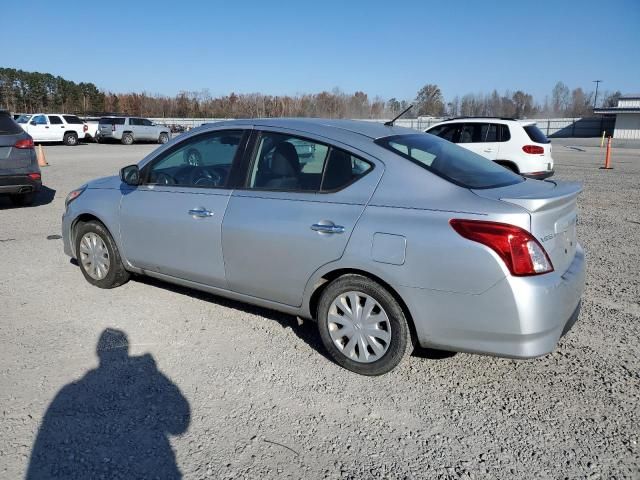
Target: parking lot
column 264, row 400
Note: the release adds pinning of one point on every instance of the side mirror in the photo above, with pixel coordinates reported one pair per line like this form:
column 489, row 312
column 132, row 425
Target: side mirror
column 130, row 175
column 33, row 122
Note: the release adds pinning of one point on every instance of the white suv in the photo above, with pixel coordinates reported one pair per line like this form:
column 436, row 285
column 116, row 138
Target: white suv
column 518, row 145
column 58, row 127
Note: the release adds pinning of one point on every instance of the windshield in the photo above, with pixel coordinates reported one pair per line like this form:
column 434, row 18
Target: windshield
column 449, row 161
column 23, row 118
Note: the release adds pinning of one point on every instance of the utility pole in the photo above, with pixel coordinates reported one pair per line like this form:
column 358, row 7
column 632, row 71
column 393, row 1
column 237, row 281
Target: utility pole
column 595, row 99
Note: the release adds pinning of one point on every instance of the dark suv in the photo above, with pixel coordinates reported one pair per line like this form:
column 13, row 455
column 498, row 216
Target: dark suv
column 20, row 176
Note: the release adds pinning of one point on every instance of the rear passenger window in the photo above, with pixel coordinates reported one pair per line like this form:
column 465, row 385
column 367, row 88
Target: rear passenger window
column 468, row 132
column 290, row 163
column 55, row 120
column 72, row 119
column 135, row 121
column 342, row 169
column 505, row 134
column 488, row 132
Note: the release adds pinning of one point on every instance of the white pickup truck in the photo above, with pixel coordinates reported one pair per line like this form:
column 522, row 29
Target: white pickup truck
column 58, row 127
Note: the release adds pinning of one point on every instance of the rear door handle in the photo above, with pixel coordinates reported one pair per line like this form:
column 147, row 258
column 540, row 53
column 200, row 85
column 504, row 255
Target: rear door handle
column 327, row 228
column 200, row 212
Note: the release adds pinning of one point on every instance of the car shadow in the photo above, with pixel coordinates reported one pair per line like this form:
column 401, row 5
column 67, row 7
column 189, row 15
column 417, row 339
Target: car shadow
column 307, row 331
column 44, row 197
column 114, row 422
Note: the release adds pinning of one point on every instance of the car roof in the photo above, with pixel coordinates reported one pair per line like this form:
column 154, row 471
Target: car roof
column 323, row 126
column 506, row 121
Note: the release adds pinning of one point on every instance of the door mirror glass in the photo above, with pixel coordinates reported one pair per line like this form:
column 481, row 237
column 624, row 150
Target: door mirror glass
column 130, row 175
column 32, row 122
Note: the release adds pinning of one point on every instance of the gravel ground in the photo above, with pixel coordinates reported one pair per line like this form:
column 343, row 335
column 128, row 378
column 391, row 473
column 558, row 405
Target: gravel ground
column 217, row 389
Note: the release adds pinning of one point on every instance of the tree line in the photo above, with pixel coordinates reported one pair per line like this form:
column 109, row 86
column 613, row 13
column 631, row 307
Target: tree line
column 30, row 92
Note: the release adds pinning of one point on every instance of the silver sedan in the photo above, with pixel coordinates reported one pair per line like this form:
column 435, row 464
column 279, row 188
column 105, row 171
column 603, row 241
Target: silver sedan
column 387, row 237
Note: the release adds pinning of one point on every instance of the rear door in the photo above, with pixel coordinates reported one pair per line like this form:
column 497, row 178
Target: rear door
column 480, row 138
column 150, row 132
column 299, row 204
column 56, row 127
column 171, row 224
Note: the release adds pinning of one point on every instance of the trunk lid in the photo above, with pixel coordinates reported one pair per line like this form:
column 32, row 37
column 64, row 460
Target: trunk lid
column 552, row 207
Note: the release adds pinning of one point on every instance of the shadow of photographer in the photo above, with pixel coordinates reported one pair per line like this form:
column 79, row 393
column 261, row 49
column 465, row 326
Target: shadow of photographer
column 114, row 422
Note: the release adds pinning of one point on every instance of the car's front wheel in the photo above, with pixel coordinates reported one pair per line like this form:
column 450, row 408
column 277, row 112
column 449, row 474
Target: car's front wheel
column 363, row 326
column 98, row 256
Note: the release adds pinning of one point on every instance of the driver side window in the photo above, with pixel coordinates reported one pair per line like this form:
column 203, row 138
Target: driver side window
column 203, row 161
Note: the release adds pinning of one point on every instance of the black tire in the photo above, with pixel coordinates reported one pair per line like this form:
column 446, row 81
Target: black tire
column 164, row 138
column 116, row 274
column 400, row 344
column 23, row 199
column 127, row 139
column 70, row 139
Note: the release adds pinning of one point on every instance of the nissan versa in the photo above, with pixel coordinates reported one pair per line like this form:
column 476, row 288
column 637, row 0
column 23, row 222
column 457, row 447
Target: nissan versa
column 387, row 237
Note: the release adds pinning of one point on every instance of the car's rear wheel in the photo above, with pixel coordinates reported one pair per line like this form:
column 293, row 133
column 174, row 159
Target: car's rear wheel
column 98, row 256
column 164, row 138
column 70, row 139
column 362, row 325
column 23, row 199
column 127, row 139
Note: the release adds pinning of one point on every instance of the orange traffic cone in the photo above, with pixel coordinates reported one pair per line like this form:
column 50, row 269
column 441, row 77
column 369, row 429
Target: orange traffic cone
column 42, row 161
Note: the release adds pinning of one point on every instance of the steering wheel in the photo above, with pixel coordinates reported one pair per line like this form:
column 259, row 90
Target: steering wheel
column 204, row 178
column 162, row 178
column 193, row 157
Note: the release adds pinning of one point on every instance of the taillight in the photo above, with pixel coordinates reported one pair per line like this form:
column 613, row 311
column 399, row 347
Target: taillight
column 113, row 127
column 519, row 250
column 85, row 128
column 26, row 143
column 533, row 149
column 35, row 176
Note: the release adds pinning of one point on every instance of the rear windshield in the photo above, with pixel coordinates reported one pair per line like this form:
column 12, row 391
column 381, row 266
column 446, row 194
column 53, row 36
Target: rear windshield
column 112, row 121
column 449, row 161
column 8, row 126
column 536, row 135
column 72, row 119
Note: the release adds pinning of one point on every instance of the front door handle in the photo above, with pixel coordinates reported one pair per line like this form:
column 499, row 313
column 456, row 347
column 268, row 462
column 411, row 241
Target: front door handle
column 200, row 212
column 327, row 228
column 488, row 150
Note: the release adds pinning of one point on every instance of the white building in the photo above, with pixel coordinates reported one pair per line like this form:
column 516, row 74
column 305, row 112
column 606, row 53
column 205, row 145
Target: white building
column 627, row 117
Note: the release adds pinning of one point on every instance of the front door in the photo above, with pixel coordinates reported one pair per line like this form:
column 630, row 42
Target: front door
column 39, row 129
column 171, row 224
column 300, row 203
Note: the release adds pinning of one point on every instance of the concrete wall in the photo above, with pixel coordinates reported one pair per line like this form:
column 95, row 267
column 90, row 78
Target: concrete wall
column 631, row 102
column 627, row 126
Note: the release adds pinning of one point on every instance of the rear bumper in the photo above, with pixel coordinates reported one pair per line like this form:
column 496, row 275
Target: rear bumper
column 519, row 317
column 11, row 184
